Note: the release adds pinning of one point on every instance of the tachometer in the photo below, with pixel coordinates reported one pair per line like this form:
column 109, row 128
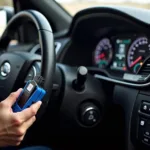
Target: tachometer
column 103, row 53
column 138, row 52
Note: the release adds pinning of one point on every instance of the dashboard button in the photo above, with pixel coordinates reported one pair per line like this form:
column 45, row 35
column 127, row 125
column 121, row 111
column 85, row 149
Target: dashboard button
column 90, row 117
column 144, row 129
column 148, row 111
column 142, row 122
column 145, row 107
column 147, row 132
column 147, row 129
column 89, row 114
column 146, row 140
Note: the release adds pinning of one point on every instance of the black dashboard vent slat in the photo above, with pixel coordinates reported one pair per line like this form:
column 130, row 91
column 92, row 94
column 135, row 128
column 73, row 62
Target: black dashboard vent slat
column 145, row 69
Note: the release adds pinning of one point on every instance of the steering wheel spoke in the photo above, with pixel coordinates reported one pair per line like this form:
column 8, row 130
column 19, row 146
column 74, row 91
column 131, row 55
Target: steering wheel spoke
column 34, row 70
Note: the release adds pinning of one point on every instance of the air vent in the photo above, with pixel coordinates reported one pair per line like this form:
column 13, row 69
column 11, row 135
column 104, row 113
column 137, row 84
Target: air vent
column 145, row 69
column 37, row 50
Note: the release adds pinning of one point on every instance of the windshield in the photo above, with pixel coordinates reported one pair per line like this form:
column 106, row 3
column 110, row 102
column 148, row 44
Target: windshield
column 3, row 16
column 73, row 6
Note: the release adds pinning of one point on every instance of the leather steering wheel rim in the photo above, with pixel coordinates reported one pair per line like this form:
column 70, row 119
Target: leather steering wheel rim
column 46, row 41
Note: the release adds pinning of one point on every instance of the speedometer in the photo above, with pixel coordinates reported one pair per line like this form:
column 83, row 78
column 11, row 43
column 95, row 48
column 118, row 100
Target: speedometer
column 103, row 53
column 138, row 52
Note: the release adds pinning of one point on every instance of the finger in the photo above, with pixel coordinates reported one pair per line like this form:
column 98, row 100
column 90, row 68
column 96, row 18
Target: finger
column 5, row 143
column 12, row 138
column 29, row 112
column 11, row 99
column 22, row 129
column 29, row 123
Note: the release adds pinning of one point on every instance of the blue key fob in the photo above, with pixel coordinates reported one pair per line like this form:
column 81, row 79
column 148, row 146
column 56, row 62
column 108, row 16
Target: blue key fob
column 31, row 93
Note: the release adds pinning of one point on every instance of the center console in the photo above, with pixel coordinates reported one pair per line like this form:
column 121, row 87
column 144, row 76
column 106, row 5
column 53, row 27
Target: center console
column 140, row 125
column 136, row 106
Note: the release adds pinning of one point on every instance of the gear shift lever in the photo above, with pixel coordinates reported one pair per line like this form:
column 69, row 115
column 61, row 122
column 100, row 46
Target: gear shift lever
column 79, row 82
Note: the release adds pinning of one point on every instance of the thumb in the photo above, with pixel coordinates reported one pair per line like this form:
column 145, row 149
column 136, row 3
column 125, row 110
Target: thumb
column 11, row 99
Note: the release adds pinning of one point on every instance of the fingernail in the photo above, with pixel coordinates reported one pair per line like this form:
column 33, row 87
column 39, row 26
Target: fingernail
column 39, row 102
column 19, row 90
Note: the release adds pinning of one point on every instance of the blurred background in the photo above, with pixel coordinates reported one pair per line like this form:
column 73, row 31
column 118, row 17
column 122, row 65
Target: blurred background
column 5, row 2
column 73, row 6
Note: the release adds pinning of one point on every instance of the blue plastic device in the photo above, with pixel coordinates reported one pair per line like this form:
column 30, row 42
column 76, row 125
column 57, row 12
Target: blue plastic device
column 31, row 93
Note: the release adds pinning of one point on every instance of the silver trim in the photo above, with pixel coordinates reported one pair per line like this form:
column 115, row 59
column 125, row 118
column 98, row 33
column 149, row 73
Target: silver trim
column 5, row 69
column 121, row 82
column 94, row 120
column 58, row 46
column 34, row 73
column 89, row 108
column 34, row 70
column 35, row 48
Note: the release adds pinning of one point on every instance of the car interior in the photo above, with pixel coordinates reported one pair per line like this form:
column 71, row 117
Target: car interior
column 96, row 70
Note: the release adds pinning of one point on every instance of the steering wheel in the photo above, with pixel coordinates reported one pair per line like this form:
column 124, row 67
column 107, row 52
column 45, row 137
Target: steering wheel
column 14, row 66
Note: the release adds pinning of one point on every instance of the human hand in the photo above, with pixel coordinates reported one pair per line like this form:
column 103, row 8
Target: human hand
column 13, row 126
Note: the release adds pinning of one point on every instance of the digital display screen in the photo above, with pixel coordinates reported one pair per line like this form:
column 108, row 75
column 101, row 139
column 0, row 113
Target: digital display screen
column 30, row 87
column 119, row 61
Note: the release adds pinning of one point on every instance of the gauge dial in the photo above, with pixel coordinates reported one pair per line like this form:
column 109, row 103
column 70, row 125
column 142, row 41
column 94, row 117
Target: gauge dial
column 138, row 52
column 103, row 53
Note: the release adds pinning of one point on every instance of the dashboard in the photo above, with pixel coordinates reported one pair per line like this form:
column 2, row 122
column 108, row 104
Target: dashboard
column 113, row 43
column 125, row 53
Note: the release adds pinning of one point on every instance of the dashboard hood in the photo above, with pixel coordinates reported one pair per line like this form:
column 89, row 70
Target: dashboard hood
column 138, row 13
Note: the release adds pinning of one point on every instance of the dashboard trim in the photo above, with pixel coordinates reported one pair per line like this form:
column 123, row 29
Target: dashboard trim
column 118, row 12
column 122, row 82
column 58, row 46
column 37, row 47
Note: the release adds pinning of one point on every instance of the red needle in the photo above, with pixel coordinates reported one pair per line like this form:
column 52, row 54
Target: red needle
column 101, row 55
column 136, row 61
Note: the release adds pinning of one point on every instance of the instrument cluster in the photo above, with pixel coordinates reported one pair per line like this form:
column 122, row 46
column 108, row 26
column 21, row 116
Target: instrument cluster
column 122, row 53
